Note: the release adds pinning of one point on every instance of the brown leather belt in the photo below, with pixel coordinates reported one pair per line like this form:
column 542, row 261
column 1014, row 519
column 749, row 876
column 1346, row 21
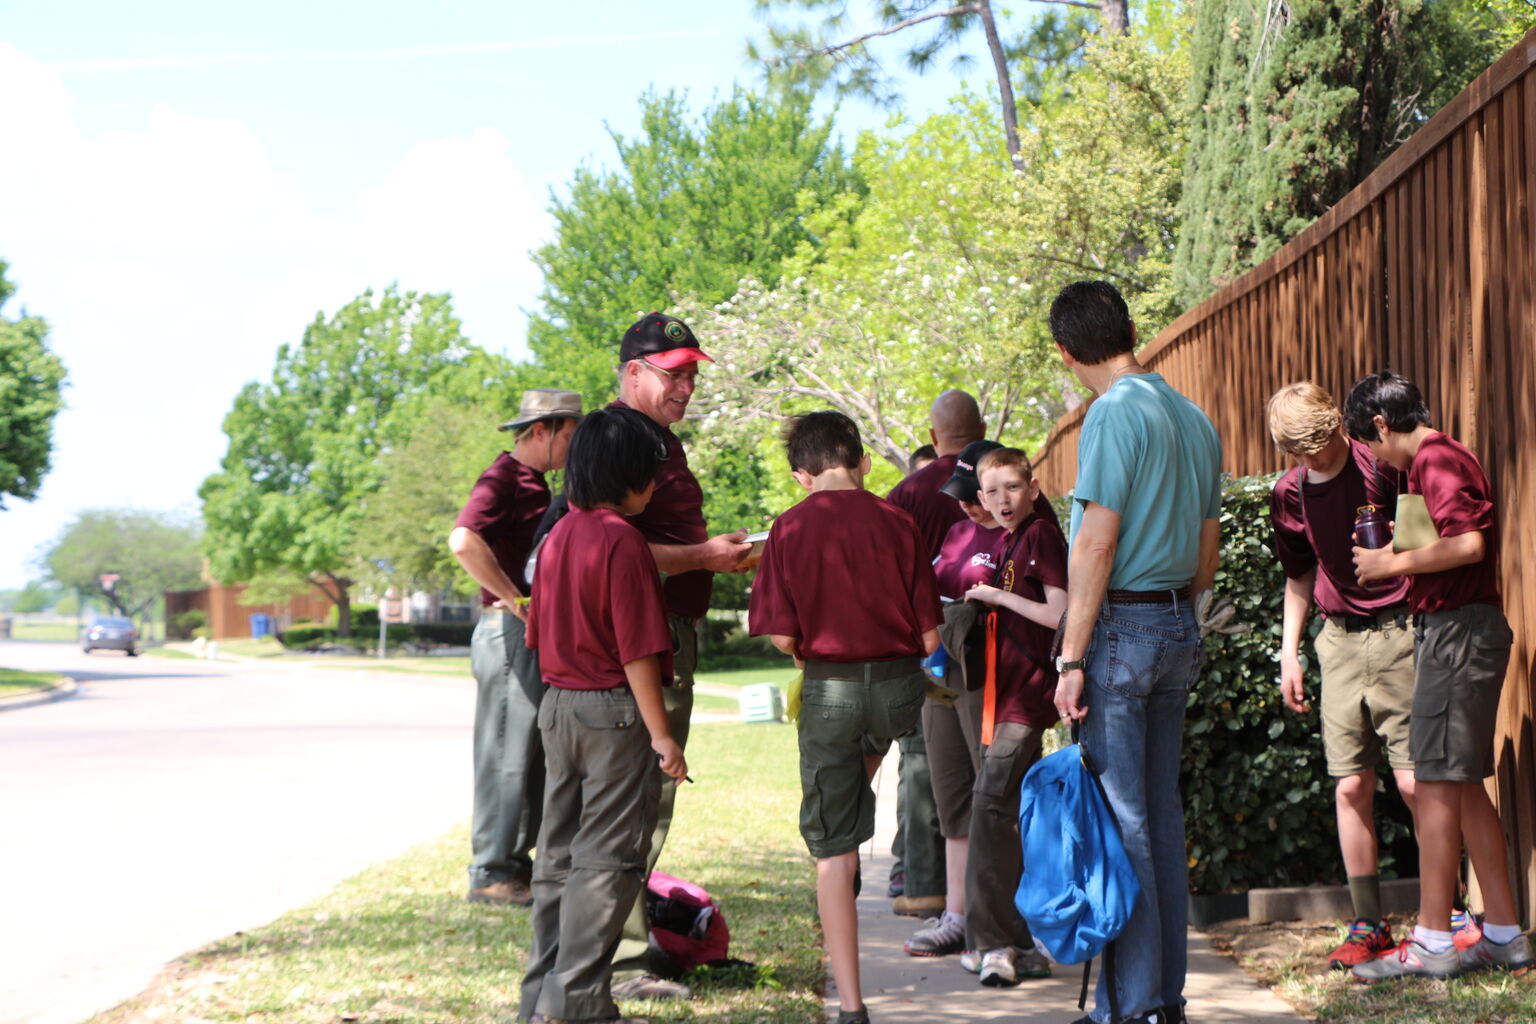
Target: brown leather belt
column 1148, row 596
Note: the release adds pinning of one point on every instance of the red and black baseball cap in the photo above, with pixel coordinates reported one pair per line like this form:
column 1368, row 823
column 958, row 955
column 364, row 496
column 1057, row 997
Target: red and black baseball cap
column 661, row 340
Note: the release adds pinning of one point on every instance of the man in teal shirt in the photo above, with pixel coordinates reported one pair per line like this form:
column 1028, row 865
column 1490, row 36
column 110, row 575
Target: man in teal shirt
column 1145, row 540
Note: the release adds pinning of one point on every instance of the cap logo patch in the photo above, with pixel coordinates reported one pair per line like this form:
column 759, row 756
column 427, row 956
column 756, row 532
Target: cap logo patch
column 675, row 331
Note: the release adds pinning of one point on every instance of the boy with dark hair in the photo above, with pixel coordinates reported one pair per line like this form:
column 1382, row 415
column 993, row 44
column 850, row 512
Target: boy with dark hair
column 845, row 587
column 1461, row 651
column 1365, row 648
column 1029, row 590
column 599, row 624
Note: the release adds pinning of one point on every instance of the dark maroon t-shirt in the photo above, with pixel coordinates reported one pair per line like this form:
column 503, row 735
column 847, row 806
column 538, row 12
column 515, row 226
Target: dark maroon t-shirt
column 969, row 557
column 1314, row 529
column 598, row 605
column 504, row 508
column 1460, row 500
column 848, row 575
column 933, row 510
column 675, row 515
column 1026, row 680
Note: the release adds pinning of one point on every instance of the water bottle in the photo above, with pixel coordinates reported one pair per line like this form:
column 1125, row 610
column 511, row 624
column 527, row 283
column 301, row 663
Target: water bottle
column 1371, row 529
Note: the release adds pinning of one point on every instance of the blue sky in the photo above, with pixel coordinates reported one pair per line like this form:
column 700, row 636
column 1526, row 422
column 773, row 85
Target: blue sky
column 187, row 184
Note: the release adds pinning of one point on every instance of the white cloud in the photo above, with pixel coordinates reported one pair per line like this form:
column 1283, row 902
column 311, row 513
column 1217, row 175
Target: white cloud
column 172, row 257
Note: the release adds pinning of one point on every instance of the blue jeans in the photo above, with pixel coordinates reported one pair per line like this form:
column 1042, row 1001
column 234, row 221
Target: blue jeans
column 1142, row 661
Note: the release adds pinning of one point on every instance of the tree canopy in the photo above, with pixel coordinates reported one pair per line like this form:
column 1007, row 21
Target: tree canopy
column 31, row 384
column 149, row 553
column 695, row 205
column 303, row 459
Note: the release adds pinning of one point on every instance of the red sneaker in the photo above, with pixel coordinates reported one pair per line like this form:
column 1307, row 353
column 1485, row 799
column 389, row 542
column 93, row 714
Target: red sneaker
column 1366, row 941
column 1466, row 932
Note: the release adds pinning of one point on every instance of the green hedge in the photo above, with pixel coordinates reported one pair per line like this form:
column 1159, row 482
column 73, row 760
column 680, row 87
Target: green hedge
column 304, row 636
column 1258, row 800
column 396, row 633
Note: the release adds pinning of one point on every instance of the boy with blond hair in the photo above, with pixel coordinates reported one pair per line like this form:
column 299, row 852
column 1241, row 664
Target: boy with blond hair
column 1029, row 591
column 1365, row 648
column 845, row 587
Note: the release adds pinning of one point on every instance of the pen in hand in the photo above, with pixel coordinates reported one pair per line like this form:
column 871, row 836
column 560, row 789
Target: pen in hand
column 685, row 778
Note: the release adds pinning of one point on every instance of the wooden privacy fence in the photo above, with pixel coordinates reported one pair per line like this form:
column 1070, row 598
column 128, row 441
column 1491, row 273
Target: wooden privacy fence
column 1427, row 267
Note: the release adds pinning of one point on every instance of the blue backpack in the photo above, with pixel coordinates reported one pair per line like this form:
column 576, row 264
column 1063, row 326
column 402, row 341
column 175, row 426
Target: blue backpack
column 1078, row 888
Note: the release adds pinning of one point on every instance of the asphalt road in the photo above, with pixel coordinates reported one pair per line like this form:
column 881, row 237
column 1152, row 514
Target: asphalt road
column 172, row 802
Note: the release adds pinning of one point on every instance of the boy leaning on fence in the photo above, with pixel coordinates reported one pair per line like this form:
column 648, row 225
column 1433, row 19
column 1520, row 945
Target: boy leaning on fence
column 1461, row 650
column 845, row 587
column 599, row 623
column 1365, row 647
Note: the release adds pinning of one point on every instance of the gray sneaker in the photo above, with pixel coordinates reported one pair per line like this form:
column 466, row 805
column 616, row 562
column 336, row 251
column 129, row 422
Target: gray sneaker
column 1514, row 955
column 1410, row 959
column 649, row 986
column 939, row 936
column 997, row 968
column 1030, row 963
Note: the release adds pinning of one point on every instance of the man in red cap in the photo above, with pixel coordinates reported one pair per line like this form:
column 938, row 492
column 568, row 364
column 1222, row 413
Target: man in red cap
column 658, row 367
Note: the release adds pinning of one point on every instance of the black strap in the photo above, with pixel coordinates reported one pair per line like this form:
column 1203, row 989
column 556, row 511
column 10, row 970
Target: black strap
column 1005, row 618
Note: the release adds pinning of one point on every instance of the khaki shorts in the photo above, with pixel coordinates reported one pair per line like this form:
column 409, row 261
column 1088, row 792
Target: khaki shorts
column 1462, row 655
column 842, row 708
column 1367, row 695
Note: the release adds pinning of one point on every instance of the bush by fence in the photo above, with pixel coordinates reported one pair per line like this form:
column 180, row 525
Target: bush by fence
column 1258, row 800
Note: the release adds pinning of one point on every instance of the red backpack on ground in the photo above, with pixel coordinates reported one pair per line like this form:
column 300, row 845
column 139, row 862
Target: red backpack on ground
column 687, row 925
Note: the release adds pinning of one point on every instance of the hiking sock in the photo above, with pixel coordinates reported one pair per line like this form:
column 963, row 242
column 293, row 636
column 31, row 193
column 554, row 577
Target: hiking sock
column 1501, row 934
column 1365, row 894
column 1435, row 942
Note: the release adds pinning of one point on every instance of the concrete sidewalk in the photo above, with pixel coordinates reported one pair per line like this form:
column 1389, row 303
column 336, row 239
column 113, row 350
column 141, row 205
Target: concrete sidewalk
column 901, row 989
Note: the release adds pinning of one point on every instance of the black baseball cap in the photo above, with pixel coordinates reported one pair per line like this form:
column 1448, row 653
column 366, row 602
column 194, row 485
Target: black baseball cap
column 962, row 483
column 661, row 340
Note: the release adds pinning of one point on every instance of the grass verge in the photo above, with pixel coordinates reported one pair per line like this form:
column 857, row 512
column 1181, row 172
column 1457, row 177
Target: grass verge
column 399, row 944
column 14, row 681
column 54, row 630
column 778, row 675
column 1289, row 957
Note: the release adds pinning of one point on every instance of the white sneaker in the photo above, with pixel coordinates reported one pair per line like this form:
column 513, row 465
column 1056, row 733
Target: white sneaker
column 997, row 968
column 970, row 960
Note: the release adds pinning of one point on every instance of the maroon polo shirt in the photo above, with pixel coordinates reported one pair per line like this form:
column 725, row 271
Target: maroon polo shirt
column 1033, row 557
column 675, row 515
column 848, row 576
column 1460, row 500
column 1314, row 526
column 933, row 511
column 504, row 508
column 969, row 557
column 598, row 605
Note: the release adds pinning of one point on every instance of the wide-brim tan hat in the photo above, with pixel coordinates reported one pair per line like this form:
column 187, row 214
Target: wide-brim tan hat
column 545, row 404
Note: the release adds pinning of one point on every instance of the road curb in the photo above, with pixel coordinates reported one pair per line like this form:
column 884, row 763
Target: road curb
column 59, row 691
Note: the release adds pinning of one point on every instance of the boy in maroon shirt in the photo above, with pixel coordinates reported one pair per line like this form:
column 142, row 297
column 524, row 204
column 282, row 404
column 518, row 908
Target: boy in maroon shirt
column 845, row 587
column 599, row 624
column 1461, row 651
column 1030, row 593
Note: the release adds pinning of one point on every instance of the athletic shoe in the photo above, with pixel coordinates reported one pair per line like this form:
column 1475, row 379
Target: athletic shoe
column 649, row 986
column 1030, row 963
column 860, row 1016
column 1366, row 941
column 1466, row 930
column 1514, row 955
column 1161, row 1015
column 918, row 906
column 939, row 936
column 513, row 892
column 898, row 886
column 1409, row 958
column 970, row 961
column 997, row 968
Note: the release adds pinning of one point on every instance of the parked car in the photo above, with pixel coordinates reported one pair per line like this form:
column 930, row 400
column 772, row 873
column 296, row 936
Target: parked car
column 112, row 633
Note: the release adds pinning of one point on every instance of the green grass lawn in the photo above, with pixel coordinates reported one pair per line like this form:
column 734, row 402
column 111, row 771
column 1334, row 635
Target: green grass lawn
column 166, row 652
column 778, row 675
column 14, row 681
column 56, row 630
column 398, row 943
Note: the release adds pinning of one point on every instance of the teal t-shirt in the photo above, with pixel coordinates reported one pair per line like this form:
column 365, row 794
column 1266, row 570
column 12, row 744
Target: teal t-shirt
column 1152, row 455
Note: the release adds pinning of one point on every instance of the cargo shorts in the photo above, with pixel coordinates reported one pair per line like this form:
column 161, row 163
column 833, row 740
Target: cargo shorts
column 1367, row 695
column 846, row 709
column 1460, row 657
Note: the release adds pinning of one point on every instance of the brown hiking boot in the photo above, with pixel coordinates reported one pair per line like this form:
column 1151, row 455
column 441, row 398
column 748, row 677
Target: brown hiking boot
column 514, row 892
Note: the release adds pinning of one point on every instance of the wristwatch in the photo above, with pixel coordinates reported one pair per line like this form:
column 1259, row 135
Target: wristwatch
column 1068, row 666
